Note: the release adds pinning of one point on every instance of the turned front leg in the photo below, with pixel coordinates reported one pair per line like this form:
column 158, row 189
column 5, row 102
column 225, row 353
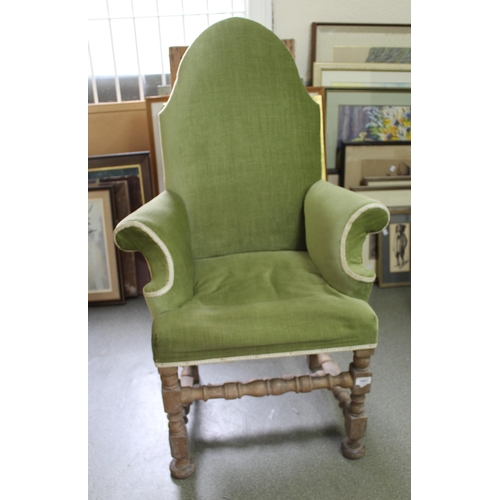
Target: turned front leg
column 355, row 417
column 181, row 465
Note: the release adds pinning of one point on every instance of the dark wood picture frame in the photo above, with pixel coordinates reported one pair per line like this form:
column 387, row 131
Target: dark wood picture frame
column 351, row 170
column 394, row 250
column 126, row 165
column 104, row 266
column 135, row 168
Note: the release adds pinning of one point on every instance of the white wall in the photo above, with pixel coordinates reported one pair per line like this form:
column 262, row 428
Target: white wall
column 293, row 19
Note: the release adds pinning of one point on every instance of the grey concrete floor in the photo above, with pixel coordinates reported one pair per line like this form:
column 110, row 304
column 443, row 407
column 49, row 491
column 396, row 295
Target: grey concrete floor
column 285, row 447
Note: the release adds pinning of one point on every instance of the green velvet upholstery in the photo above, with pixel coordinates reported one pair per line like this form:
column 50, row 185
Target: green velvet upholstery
column 337, row 222
column 260, row 303
column 160, row 231
column 250, row 253
column 241, row 141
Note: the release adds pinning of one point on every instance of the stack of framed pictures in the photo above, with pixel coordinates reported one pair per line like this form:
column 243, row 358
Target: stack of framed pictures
column 365, row 115
column 382, row 171
column 348, row 54
column 371, row 149
column 365, row 70
column 118, row 185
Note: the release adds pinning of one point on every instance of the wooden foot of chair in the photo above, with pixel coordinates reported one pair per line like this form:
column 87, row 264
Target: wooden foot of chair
column 354, row 413
column 181, row 466
column 352, row 450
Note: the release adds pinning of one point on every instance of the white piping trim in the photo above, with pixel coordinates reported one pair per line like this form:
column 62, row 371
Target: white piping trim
column 347, row 229
column 163, row 248
column 264, row 356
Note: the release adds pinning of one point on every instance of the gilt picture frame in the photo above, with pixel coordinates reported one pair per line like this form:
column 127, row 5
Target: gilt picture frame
column 318, row 96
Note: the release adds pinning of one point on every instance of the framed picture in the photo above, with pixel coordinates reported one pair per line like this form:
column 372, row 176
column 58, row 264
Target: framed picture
column 153, row 106
column 387, row 181
column 369, row 252
column 104, row 271
column 361, row 160
column 394, row 256
column 346, row 42
column 365, row 115
column 373, row 75
column 393, row 196
column 133, row 167
column 122, row 209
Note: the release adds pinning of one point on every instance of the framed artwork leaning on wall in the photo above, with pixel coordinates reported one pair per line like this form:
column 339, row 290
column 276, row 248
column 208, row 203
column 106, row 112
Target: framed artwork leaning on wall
column 105, row 285
column 394, row 255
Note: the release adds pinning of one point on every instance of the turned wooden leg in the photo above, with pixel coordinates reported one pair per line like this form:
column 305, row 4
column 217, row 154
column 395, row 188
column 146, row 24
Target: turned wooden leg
column 323, row 361
column 355, row 417
column 189, row 377
column 181, row 465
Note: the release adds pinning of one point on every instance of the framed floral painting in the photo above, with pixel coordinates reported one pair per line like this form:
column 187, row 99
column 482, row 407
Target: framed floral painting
column 374, row 123
column 365, row 115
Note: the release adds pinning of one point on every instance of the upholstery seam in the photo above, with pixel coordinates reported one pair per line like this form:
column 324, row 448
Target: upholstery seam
column 263, row 356
column 343, row 241
column 156, row 239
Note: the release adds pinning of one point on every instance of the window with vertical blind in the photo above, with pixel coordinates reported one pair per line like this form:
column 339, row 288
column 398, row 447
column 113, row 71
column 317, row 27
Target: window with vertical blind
column 129, row 40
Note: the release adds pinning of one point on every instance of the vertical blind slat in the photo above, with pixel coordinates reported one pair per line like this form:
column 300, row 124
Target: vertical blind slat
column 162, row 66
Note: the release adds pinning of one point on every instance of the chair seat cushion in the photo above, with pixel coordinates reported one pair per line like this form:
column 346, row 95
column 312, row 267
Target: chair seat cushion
column 256, row 304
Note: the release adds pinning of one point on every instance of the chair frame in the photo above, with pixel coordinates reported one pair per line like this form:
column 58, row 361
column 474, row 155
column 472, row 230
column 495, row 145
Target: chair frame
column 349, row 388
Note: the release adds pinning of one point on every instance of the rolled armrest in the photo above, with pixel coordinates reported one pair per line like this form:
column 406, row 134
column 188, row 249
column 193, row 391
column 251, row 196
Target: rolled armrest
column 337, row 222
column 160, row 231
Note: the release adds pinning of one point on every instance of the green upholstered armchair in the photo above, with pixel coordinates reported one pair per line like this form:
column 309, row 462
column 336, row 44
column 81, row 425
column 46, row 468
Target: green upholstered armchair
column 252, row 255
